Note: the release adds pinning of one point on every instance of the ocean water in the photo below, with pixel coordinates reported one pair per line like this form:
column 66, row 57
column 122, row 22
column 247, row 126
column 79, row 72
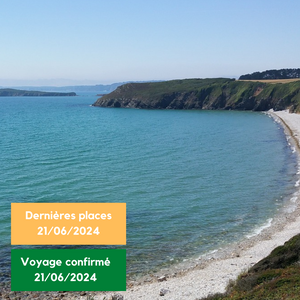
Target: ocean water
column 193, row 181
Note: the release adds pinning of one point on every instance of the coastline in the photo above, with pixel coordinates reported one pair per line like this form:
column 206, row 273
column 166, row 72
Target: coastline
column 210, row 273
column 214, row 273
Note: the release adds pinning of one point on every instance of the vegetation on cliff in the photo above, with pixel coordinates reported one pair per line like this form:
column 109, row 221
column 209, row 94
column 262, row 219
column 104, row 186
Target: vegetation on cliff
column 14, row 93
column 275, row 277
column 218, row 93
column 272, row 74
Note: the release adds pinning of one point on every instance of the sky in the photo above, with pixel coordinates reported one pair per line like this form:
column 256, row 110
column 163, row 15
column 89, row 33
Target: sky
column 65, row 42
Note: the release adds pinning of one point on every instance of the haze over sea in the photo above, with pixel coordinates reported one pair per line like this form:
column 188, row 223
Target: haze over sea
column 193, row 181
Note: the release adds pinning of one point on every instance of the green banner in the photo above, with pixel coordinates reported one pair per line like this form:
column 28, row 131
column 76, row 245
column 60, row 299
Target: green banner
column 68, row 270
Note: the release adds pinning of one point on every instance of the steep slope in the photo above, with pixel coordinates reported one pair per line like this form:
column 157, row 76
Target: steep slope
column 277, row 276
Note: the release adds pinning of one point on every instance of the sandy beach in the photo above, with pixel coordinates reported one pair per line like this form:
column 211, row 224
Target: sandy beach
column 213, row 276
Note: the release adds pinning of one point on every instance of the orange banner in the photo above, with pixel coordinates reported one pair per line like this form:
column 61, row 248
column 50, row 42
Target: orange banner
column 68, row 223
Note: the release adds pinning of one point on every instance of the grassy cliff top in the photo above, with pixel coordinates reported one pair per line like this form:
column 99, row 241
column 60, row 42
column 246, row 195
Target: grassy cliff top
column 153, row 89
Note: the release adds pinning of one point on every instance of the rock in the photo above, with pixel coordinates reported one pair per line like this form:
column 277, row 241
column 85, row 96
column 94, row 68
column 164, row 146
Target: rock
column 117, row 297
column 162, row 278
column 55, row 295
column 163, row 292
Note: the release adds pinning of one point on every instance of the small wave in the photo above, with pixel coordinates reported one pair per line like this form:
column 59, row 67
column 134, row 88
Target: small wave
column 292, row 205
column 260, row 229
column 297, row 183
column 208, row 255
column 293, row 199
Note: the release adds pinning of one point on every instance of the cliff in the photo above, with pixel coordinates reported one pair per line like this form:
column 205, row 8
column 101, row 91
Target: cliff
column 218, row 93
column 14, row 93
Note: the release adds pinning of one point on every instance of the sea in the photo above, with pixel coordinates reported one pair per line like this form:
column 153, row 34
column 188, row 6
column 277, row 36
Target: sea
column 194, row 181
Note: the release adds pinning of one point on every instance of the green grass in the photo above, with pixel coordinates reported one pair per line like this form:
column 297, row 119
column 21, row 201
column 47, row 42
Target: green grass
column 276, row 277
column 155, row 89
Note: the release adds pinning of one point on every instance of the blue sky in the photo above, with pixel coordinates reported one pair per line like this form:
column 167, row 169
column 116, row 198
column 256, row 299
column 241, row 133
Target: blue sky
column 94, row 41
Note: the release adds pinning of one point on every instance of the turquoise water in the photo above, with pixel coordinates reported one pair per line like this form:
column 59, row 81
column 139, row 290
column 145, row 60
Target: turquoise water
column 192, row 180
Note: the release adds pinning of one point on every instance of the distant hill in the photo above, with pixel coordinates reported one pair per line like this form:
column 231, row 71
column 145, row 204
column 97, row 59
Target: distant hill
column 79, row 89
column 212, row 93
column 98, row 89
column 272, row 74
column 15, row 92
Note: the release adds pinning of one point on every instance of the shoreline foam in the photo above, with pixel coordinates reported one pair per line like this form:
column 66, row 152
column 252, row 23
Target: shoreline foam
column 213, row 275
